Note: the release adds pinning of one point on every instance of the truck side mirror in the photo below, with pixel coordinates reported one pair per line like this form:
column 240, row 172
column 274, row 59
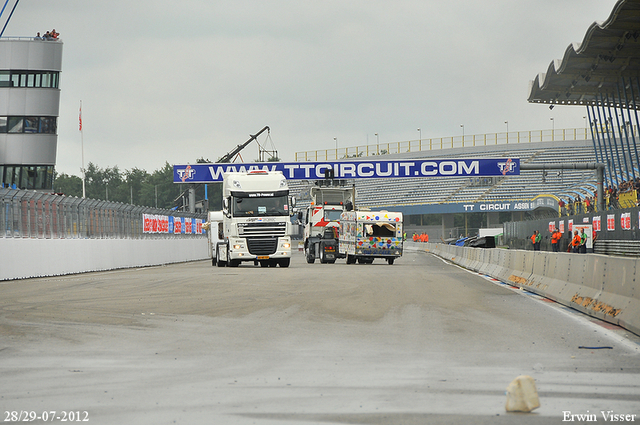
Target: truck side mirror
column 225, row 206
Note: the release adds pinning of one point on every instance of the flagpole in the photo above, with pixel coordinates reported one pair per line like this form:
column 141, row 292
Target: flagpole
column 84, row 193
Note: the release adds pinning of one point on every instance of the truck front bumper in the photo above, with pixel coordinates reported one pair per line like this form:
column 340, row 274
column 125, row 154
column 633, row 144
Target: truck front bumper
column 239, row 250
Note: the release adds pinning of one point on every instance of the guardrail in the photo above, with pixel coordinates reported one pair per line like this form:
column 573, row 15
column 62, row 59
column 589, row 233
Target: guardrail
column 598, row 285
column 32, row 214
column 440, row 143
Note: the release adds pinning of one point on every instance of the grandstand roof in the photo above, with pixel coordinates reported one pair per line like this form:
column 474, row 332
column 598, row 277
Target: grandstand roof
column 589, row 72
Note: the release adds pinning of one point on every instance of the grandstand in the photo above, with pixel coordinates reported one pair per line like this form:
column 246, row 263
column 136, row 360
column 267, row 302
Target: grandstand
column 425, row 193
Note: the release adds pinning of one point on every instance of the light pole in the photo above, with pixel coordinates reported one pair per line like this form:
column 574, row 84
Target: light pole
column 462, row 125
column 377, row 144
column 420, row 133
column 507, row 123
column 553, row 128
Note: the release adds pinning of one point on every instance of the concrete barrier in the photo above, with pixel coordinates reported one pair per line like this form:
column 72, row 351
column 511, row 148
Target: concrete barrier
column 25, row 258
column 598, row 285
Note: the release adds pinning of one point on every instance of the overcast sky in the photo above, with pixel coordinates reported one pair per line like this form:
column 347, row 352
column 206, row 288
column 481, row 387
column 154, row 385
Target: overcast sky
column 176, row 80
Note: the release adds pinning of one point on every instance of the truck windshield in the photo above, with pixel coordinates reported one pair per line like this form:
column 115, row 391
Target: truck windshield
column 260, row 207
column 332, row 215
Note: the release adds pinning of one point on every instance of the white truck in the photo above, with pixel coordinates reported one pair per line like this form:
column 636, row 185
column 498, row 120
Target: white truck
column 366, row 235
column 215, row 233
column 322, row 221
column 256, row 219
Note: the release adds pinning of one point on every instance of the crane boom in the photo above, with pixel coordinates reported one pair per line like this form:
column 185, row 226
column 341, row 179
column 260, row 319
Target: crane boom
column 237, row 149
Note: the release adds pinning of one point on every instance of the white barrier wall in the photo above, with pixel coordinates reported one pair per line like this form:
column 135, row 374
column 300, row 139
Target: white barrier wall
column 599, row 285
column 25, row 258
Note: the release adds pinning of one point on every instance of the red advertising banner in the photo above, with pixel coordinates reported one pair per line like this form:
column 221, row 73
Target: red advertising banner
column 625, row 221
column 597, row 224
column 611, row 222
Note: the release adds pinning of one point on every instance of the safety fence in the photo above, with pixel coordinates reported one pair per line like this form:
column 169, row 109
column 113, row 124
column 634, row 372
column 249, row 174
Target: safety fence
column 439, row 143
column 32, row 214
column 612, row 232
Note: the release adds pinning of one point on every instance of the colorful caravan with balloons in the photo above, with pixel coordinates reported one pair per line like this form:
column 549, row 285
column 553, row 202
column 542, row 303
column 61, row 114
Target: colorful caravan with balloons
column 367, row 235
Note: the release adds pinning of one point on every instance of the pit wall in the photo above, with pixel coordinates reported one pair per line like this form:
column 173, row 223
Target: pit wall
column 25, row 258
column 598, row 285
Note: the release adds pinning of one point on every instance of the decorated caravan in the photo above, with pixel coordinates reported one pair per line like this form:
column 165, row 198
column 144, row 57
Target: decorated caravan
column 367, row 235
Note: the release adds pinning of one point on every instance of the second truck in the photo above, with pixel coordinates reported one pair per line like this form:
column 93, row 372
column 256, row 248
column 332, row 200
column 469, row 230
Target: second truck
column 329, row 199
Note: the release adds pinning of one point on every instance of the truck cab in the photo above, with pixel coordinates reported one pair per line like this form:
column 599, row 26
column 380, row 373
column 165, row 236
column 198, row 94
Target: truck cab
column 322, row 222
column 256, row 219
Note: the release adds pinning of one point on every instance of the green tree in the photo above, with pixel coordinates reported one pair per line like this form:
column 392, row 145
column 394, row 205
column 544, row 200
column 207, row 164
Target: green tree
column 67, row 185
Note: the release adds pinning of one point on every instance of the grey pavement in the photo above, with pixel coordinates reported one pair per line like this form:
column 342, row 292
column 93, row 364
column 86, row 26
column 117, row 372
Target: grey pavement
column 419, row 342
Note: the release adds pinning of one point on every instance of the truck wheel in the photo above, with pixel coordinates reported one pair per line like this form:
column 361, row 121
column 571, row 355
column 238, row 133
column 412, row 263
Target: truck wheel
column 351, row 259
column 390, row 261
column 213, row 261
column 311, row 258
column 285, row 262
column 323, row 260
column 219, row 262
column 234, row 263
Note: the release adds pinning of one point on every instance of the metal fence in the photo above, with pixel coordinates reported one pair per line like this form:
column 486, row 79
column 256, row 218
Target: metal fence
column 440, row 143
column 32, row 214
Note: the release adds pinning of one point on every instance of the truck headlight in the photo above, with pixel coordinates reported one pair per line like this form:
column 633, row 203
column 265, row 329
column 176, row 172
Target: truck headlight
column 286, row 245
column 238, row 246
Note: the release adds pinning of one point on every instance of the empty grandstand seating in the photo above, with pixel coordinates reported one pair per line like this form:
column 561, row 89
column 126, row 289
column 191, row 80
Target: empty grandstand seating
column 567, row 184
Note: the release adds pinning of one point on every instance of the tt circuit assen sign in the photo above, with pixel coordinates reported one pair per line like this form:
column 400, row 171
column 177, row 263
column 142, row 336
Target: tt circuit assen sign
column 208, row 173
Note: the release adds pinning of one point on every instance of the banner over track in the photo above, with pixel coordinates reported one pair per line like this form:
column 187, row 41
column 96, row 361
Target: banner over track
column 476, row 167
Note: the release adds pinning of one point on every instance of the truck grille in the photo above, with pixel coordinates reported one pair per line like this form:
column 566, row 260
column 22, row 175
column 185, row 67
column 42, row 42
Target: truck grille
column 262, row 229
column 262, row 246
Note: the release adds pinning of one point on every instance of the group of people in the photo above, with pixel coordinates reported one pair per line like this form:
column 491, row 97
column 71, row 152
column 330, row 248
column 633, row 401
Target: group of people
column 612, row 198
column 578, row 243
column 423, row 237
column 49, row 35
column 578, row 205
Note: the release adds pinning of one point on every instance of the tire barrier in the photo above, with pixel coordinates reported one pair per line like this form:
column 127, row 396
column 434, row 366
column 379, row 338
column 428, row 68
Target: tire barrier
column 598, row 285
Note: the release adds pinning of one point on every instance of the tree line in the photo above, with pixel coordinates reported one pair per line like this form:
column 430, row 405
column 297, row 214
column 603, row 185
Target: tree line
column 136, row 186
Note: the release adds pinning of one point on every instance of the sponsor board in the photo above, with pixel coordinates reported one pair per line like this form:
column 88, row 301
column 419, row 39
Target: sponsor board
column 207, row 173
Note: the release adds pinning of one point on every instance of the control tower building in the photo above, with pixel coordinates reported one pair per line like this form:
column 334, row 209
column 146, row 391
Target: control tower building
column 29, row 107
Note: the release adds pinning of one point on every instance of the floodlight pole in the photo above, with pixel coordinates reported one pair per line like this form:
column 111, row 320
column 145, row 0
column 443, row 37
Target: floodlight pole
column 598, row 166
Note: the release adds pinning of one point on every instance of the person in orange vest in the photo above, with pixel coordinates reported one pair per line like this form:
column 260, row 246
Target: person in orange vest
column 415, row 237
column 575, row 242
column 535, row 240
column 555, row 240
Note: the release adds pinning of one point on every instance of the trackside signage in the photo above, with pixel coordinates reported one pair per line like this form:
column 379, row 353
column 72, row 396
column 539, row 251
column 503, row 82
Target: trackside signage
column 477, row 167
